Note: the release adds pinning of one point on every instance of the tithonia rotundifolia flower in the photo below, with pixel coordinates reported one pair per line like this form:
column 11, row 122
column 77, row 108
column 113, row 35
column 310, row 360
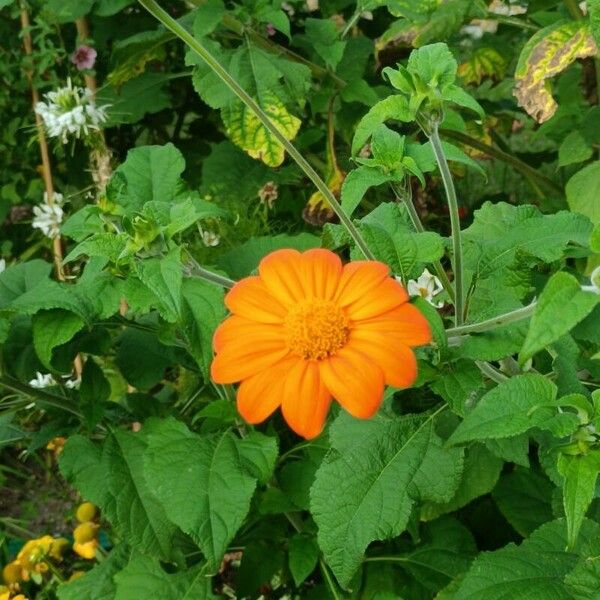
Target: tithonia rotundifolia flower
column 307, row 330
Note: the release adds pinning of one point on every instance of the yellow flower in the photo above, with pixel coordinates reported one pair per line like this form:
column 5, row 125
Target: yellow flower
column 12, row 573
column 86, row 549
column 34, row 554
column 86, row 512
column 56, row 445
column 4, row 593
column 86, row 532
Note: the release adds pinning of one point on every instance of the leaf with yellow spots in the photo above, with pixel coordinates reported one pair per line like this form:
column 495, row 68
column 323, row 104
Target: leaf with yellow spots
column 318, row 211
column 483, row 63
column 548, row 53
column 246, row 131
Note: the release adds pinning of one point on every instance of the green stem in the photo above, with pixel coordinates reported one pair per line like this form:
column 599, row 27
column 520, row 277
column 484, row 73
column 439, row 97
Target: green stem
column 574, row 10
column 39, row 397
column 519, row 165
column 508, row 20
column 418, row 225
column 510, row 317
column 171, row 24
column 442, row 163
column 491, row 372
column 197, row 270
column 329, row 580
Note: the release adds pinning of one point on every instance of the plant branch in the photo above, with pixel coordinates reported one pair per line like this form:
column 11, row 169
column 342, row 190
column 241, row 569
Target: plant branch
column 442, row 163
column 518, row 164
column 154, row 9
column 197, row 270
column 39, row 397
column 491, row 372
column 509, row 317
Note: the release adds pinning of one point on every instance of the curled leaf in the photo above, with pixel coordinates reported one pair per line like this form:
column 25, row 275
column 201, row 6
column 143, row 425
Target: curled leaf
column 548, row 53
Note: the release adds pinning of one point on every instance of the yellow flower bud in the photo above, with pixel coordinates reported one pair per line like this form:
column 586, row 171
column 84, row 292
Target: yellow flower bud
column 12, row 573
column 58, row 547
column 86, row 512
column 85, row 532
column 87, row 549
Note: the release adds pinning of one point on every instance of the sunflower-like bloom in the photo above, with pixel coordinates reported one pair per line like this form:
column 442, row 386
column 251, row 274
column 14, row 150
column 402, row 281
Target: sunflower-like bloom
column 307, row 329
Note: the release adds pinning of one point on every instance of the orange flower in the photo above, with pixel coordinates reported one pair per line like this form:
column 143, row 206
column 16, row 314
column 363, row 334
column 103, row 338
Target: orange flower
column 307, row 329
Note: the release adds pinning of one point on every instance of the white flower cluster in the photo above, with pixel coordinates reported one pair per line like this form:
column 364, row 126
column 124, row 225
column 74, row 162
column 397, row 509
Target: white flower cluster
column 69, row 111
column 44, row 380
column 48, row 217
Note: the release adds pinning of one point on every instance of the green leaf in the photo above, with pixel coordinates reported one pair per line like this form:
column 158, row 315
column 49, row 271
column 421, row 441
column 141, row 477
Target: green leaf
column 366, row 487
column 107, row 8
column 582, row 192
column 202, row 310
column 390, row 108
column 580, row 473
column 535, row 569
column 458, row 384
column 356, row 184
column 561, row 305
column 144, row 577
column 594, row 10
column 207, row 17
column 258, row 454
column 148, row 173
column 9, row 432
column 164, row 278
column 212, row 469
column 129, row 102
column 524, row 497
column 102, row 245
column 52, row 328
column 112, row 478
column 573, row 149
column 97, row 584
column 323, row 37
column 94, row 391
column 21, row 278
column 480, row 473
column 515, row 406
column 68, row 10
column 549, row 52
column 434, row 64
column 83, row 223
column 303, row 557
column 457, row 95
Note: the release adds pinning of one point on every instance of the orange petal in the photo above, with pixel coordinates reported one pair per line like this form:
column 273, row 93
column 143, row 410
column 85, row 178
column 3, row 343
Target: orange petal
column 260, row 395
column 359, row 277
column 306, row 400
column 389, row 294
column 238, row 330
column 396, row 360
column 321, row 272
column 354, row 381
column 280, row 272
column 235, row 362
column 405, row 323
column 251, row 299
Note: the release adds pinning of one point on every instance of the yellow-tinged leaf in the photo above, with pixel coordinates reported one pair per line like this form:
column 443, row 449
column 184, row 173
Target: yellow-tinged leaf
column 548, row 53
column 246, row 131
column 484, row 62
column 318, row 211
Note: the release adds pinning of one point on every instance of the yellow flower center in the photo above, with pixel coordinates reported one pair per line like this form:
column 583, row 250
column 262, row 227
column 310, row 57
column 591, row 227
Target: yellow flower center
column 316, row 329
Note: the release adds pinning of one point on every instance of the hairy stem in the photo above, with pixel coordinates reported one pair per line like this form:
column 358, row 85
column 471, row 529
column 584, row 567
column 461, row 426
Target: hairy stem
column 442, row 163
column 154, row 9
column 491, row 372
column 197, row 270
column 510, row 317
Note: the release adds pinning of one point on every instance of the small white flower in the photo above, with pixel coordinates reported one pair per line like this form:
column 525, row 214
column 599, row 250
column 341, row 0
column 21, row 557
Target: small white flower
column 2, row 264
column 427, row 286
column 42, row 381
column 73, row 384
column 48, row 217
column 70, row 111
column 210, row 238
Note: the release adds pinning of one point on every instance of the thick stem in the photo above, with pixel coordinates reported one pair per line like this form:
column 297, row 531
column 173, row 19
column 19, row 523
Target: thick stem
column 442, row 163
column 154, row 9
column 418, row 225
column 491, row 372
column 510, row 317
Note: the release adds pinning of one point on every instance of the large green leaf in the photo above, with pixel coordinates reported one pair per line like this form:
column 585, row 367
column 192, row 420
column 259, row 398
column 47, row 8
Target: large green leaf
column 548, row 53
column 532, row 571
column 111, row 476
column 517, row 405
column 561, row 305
column 51, row 328
column 213, row 470
column 144, row 577
column 366, row 487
